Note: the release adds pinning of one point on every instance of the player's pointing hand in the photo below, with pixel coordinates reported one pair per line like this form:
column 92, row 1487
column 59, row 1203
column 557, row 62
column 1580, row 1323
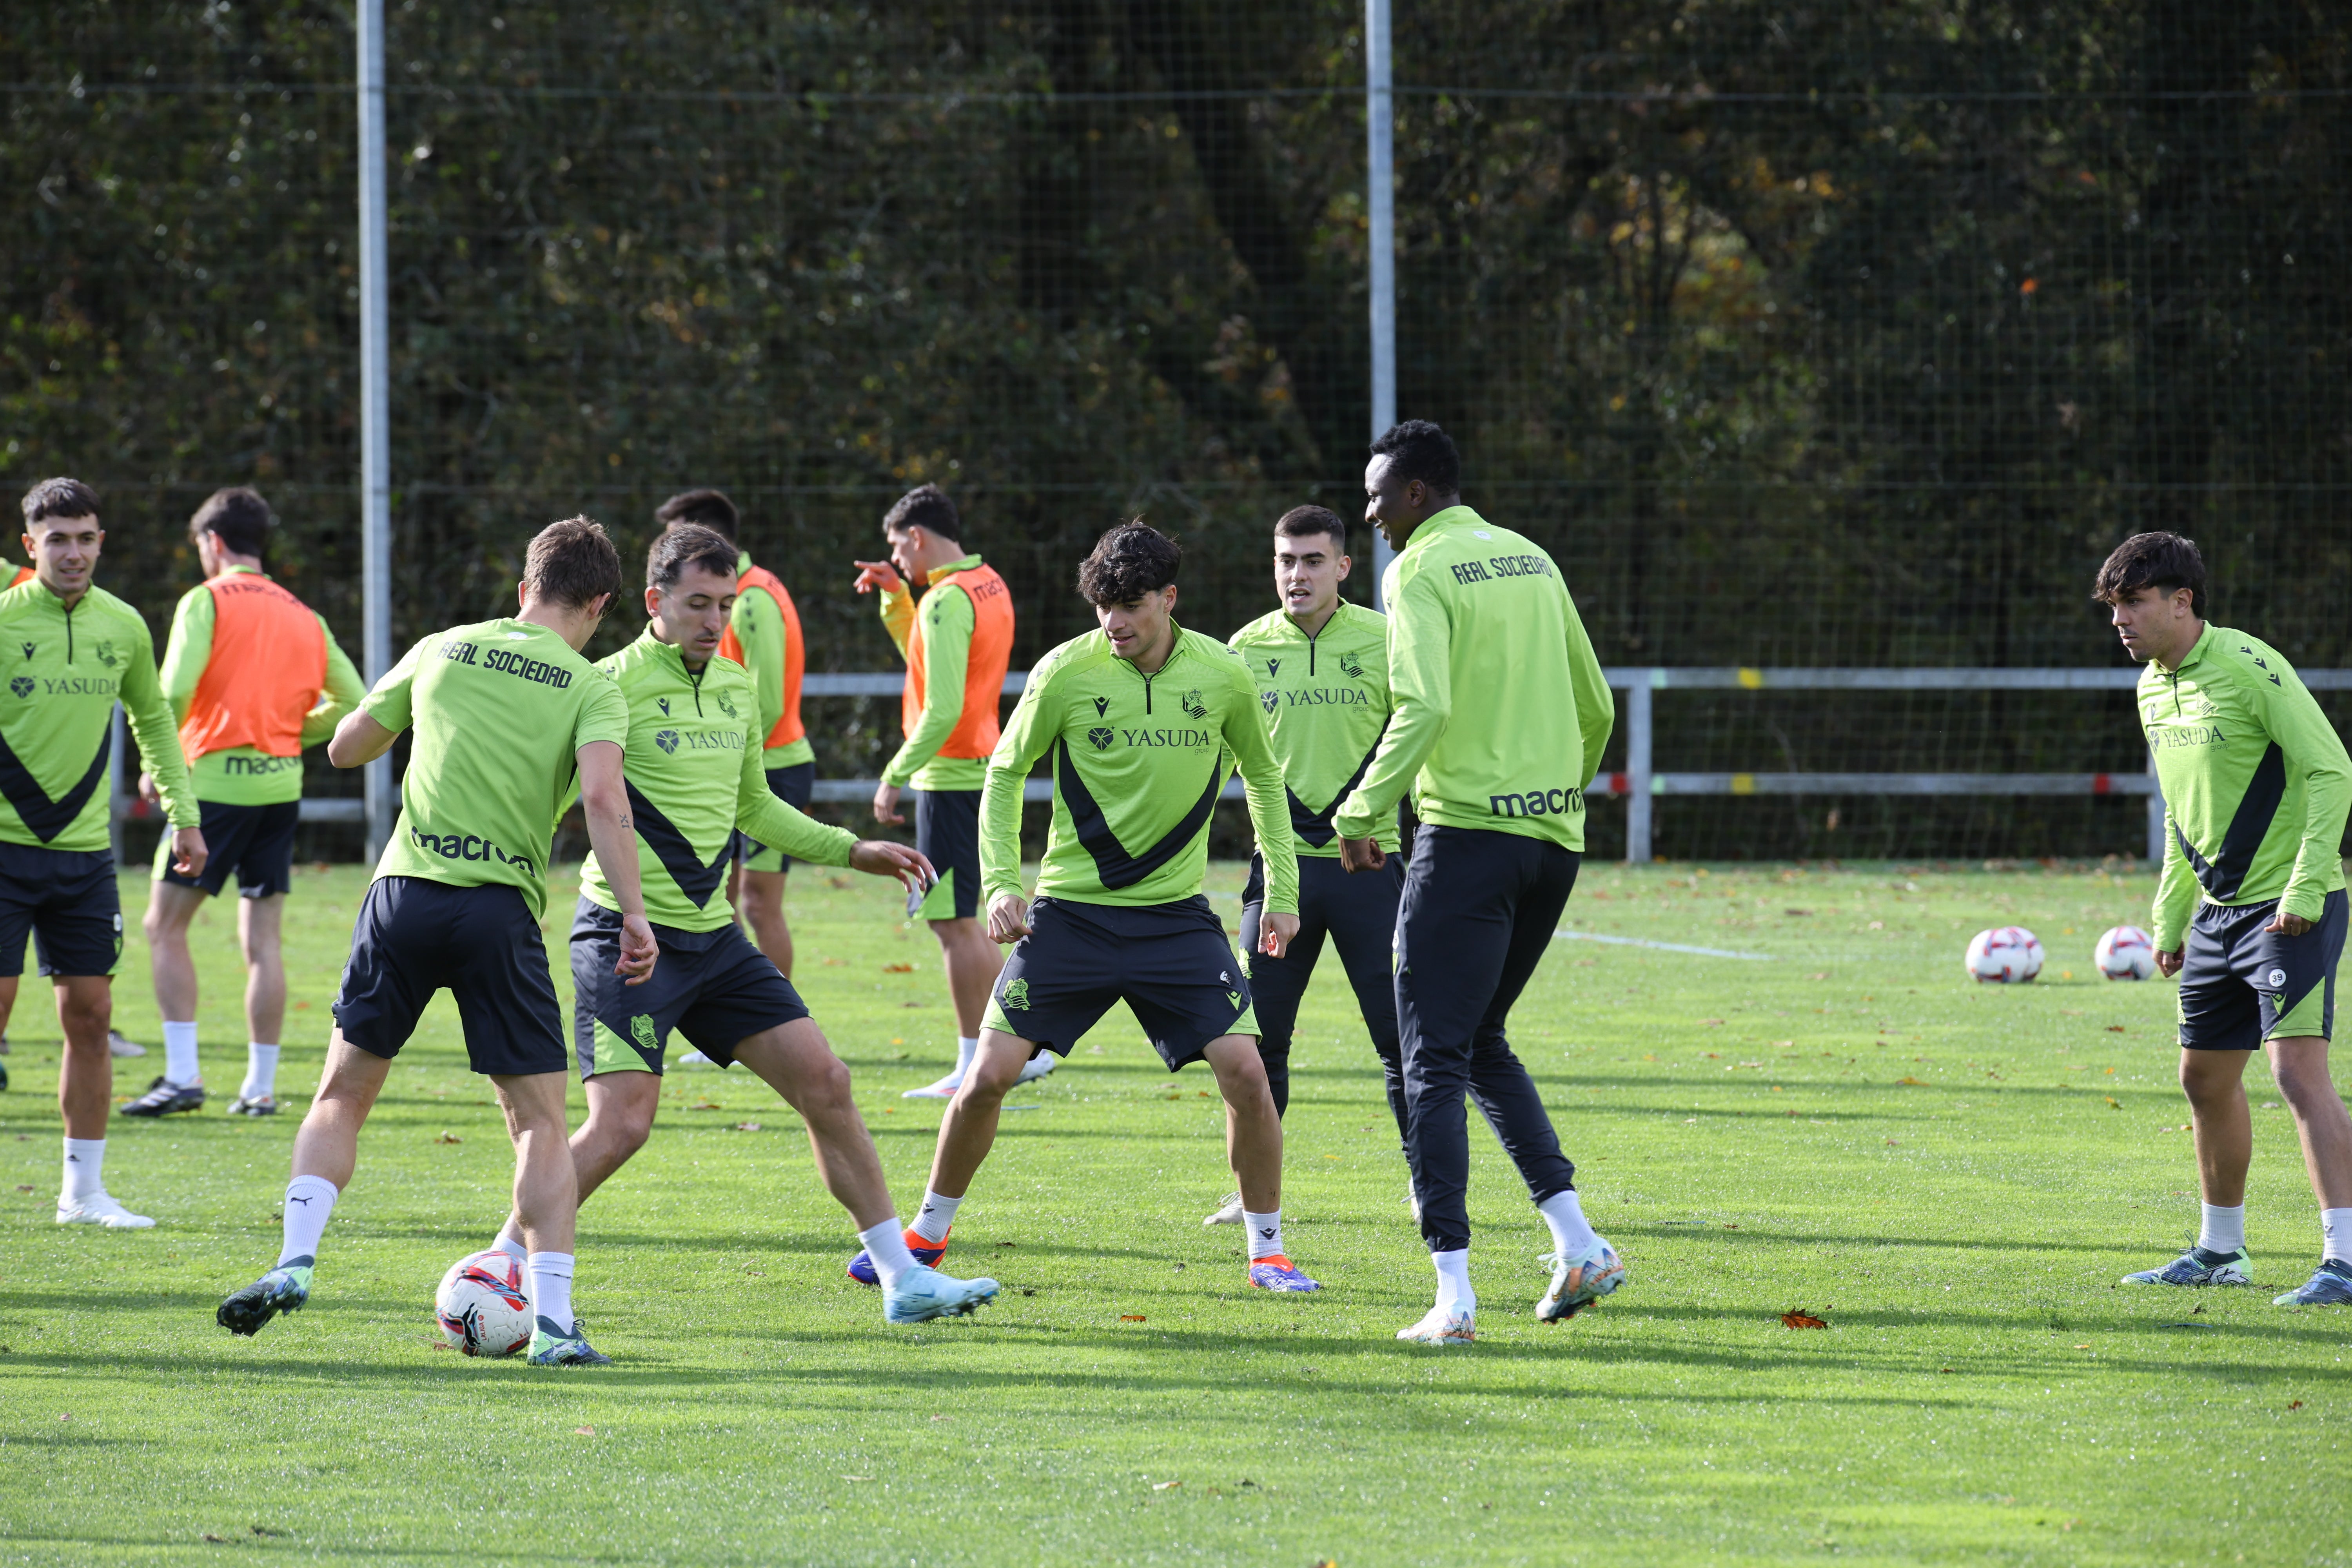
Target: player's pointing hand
column 873, row 575
column 638, row 950
column 880, row 857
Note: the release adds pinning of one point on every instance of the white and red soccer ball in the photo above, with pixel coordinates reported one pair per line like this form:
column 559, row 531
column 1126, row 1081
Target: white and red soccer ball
column 2008, row 955
column 483, row 1306
column 2125, row 952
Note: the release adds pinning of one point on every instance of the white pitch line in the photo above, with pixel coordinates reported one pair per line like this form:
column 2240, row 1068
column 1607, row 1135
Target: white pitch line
column 1666, row 946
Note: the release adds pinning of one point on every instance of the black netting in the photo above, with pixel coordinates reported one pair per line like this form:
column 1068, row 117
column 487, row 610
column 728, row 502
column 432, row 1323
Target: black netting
column 1801, row 337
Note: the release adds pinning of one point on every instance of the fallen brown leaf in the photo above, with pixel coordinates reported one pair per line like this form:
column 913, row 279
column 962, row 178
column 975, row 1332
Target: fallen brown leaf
column 215, row 1540
column 897, row 969
column 1163, row 1486
column 583, row 1431
column 1130, row 1317
column 1914, row 1082
column 448, row 1137
column 747, row 1127
column 2295, row 1404
column 1800, row 1318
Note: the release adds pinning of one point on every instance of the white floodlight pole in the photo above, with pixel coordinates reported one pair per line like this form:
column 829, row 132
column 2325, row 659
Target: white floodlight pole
column 1380, row 134
column 375, row 407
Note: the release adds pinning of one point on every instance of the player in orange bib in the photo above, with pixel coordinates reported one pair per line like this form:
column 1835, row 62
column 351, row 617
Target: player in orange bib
column 764, row 636
column 254, row 676
column 957, row 641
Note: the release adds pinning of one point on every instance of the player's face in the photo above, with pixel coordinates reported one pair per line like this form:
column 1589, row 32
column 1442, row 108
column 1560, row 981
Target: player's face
column 64, row 552
column 1307, row 572
column 2153, row 624
column 1394, row 506
column 1138, row 626
column 690, row 615
column 907, row 553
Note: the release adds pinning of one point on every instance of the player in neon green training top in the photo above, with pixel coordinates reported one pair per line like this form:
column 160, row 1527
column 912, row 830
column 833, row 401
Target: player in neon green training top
column 2251, row 908
column 506, row 714
column 1322, row 671
column 1501, row 711
column 694, row 777
column 1140, row 723
column 73, row 651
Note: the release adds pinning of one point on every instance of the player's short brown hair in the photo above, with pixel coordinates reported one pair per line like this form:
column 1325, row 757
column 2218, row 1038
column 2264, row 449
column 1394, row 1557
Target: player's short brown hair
column 572, row 564
column 59, row 497
column 1305, row 522
column 686, row 544
column 2163, row 561
column 237, row 516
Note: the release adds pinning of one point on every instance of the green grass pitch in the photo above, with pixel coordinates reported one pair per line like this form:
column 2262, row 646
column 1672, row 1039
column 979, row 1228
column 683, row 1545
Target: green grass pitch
column 1952, row 1176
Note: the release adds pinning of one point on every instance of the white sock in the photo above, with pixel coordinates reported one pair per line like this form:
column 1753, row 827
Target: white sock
column 1265, row 1234
column 966, row 1048
column 1570, row 1233
column 512, row 1248
column 1454, row 1296
column 180, row 1054
column 551, row 1292
column 308, row 1201
column 85, row 1169
column 885, row 1247
column 2335, row 1234
column 2223, row 1230
column 937, row 1215
column 260, row 1072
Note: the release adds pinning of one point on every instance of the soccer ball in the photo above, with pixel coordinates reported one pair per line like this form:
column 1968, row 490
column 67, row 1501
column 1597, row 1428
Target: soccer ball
column 2008, row 954
column 483, row 1307
column 2125, row 952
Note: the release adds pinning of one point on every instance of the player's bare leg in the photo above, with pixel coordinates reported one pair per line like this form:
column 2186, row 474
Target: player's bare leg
column 761, row 899
column 261, row 926
column 968, row 1131
column 85, row 1095
column 973, row 963
column 180, row 1087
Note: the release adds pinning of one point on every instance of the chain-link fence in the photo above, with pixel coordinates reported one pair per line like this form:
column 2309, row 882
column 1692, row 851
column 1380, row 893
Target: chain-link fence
column 1845, row 336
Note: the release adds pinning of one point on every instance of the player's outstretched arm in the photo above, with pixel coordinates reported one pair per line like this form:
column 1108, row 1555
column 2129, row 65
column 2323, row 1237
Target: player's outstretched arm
column 604, row 799
column 880, row 857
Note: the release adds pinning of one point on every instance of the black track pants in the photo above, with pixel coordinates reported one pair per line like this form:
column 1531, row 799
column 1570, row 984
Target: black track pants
column 1477, row 916
column 1358, row 911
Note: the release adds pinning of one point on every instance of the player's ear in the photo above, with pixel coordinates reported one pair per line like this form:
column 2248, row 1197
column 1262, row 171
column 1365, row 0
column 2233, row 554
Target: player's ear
column 653, row 601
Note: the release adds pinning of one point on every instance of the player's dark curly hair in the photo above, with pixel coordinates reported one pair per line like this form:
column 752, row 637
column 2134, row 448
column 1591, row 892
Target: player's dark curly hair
column 1418, row 450
column 2163, row 561
column 686, row 544
column 1130, row 560
column 925, row 506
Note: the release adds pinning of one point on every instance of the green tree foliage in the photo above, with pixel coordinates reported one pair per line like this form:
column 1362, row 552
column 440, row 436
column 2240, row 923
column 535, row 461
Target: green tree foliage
column 1827, row 334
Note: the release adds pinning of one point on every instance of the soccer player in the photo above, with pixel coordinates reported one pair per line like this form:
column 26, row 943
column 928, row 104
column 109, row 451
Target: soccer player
column 1144, row 720
column 506, row 714
column 694, row 777
column 956, row 642
column 1321, row 665
column 73, row 651
column 254, row 677
column 1500, row 712
column 2250, row 910
column 764, row 636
